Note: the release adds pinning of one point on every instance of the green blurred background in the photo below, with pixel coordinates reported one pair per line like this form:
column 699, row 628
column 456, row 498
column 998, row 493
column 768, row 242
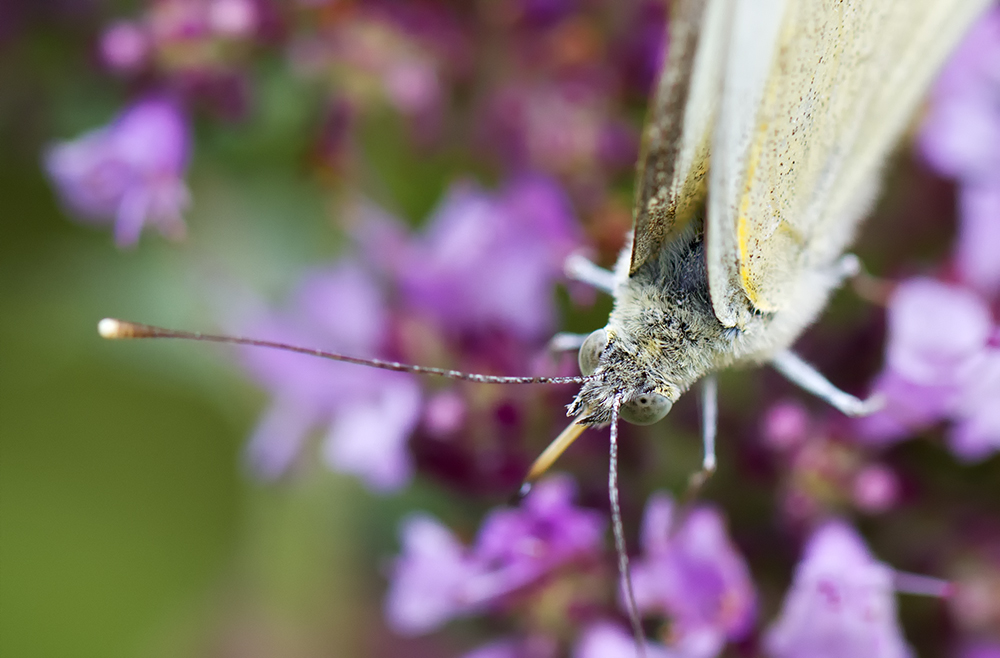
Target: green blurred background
column 127, row 525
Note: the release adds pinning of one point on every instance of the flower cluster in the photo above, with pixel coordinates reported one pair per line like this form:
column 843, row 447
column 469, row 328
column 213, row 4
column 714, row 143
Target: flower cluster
column 437, row 579
column 942, row 362
column 960, row 139
column 825, row 469
column 555, row 98
column 841, row 603
column 474, row 290
column 549, row 552
column 366, row 414
column 692, row 574
column 129, row 173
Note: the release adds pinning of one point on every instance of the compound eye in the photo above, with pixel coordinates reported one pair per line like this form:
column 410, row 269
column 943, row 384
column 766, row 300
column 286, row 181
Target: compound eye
column 646, row 408
column 590, row 352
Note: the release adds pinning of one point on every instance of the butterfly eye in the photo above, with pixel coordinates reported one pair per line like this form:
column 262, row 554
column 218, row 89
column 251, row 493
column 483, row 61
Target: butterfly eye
column 646, row 408
column 590, row 351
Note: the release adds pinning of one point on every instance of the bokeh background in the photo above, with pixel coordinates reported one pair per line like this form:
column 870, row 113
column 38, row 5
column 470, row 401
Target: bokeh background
column 130, row 521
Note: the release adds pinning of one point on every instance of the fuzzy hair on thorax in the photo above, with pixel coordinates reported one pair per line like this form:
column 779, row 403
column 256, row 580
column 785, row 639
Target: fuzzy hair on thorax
column 663, row 334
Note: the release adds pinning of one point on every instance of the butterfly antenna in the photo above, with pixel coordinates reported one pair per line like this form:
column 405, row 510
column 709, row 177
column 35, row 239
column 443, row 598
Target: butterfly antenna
column 119, row 330
column 619, row 531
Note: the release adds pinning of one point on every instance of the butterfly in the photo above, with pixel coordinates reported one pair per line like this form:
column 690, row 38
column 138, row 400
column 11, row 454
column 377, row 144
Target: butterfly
column 766, row 136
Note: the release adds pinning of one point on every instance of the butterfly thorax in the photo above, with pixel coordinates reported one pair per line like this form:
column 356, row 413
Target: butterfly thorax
column 663, row 334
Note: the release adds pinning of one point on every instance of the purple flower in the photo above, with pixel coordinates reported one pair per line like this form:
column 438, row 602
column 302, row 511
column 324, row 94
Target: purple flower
column 980, row 650
column 975, row 433
column 519, row 545
column 234, row 19
column 376, row 55
column 940, row 364
column 786, row 425
column 961, row 132
column 437, row 579
column 607, row 640
column 125, row 46
column 841, row 604
column 562, row 127
column 367, row 414
column 691, row 572
column 431, row 579
column 179, row 23
column 937, row 332
column 129, row 172
column 876, row 488
column 486, row 261
column 961, row 139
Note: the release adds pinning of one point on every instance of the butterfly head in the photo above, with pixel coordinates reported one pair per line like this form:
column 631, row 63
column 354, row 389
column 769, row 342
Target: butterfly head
column 620, row 371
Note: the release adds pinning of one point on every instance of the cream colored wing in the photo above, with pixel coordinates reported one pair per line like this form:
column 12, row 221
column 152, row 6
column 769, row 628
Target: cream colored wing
column 673, row 168
column 815, row 95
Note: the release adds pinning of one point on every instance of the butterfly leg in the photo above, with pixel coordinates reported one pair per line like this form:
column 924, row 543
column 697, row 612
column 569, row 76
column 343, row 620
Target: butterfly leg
column 709, row 429
column 805, row 376
column 566, row 342
column 580, row 269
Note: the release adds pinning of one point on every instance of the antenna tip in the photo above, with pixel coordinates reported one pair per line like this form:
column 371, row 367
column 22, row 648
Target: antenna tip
column 115, row 329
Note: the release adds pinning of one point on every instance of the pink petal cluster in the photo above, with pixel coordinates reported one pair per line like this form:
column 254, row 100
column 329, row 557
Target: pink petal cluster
column 942, row 363
column 693, row 574
column 841, row 604
column 961, row 139
column 485, row 261
column 129, row 173
column 366, row 415
column 436, row 578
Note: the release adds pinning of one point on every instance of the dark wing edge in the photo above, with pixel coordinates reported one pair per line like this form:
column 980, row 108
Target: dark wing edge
column 671, row 179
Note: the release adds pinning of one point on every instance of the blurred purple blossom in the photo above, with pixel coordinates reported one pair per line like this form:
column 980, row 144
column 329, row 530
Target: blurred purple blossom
column 374, row 54
column 486, row 261
column 444, row 414
column 125, row 46
column 198, row 48
column 692, row 573
column 876, row 488
column 367, row 414
column 608, row 640
column 786, row 425
column 982, row 649
column 841, row 604
column 519, row 545
column 940, row 364
column 961, row 139
column 432, row 579
column 129, row 172
column 437, row 579
column 823, row 466
column 180, row 24
column 562, row 127
column 233, row 18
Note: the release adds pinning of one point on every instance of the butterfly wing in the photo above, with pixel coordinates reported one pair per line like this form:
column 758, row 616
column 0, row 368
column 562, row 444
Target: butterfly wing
column 815, row 94
column 673, row 167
